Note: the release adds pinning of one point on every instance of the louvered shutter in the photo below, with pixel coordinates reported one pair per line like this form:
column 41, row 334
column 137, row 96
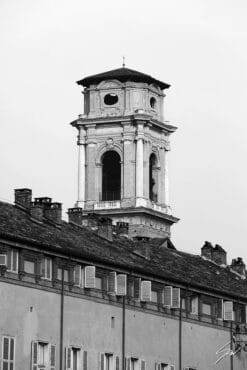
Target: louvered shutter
column 77, row 275
column 143, row 365
column 34, row 355
column 167, row 296
column 117, row 363
column 52, row 357
column 176, row 298
column 127, row 363
column 246, row 313
column 84, row 360
column 220, row 310
column 146, row 291
column 90, row 277
column 49, row 268
column 101, row 361
column 3, row 260
column 9, row 253
column 137, row 288
column 172, row 367
column 194, row 305
column 43, row 267
column 68, row 361
column 112, row 283
column 121, row 284
column 15, row 261
column 228, row 311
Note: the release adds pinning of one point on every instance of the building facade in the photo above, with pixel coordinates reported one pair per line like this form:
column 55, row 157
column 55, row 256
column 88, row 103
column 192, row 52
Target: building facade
column 108, row 290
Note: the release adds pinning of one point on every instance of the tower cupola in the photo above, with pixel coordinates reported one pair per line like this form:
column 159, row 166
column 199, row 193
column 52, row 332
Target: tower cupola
column 123, row 143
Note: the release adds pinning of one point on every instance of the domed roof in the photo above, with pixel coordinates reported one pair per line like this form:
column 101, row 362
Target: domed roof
column 122, row 74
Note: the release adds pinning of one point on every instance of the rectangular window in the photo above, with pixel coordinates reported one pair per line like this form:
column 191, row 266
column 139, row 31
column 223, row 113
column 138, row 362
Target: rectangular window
column 194, row 305
column 206, row 309
column 60, row 274
column 8, row 354
column 12, row 260
column 98, row 283
column 134, row 363
column 79, row 276
column 154, row 296
column 29, row 267
column 43, row 356
column 106, row 361
column 46, row 268
column 183, row 303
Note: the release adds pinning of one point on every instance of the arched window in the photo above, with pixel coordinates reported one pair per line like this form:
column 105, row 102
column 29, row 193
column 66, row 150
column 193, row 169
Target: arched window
column 111, row 176
column 153, row 178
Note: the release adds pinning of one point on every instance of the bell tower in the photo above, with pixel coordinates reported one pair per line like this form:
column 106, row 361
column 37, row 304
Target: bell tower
column 123, row 143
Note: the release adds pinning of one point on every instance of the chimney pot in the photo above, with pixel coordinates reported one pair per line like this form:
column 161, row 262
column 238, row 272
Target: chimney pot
column 75, row 215
column 53, row 211
column 23, row 197
column 238, row 266
column 219, row 255
column 206, row 250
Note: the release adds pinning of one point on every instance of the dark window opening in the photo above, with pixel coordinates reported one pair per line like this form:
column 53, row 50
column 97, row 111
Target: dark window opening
column 111, row 176
column 153, row 178
column 110, row 99
column 153, row 103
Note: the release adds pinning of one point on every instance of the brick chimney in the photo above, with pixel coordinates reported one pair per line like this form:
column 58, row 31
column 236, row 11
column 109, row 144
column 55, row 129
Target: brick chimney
column 105, row 228
column 53, row 212
column 37, row 207
column 238, row 266
column 23, row 197
column 75, row 215
column 206, row 250
column 219, row 255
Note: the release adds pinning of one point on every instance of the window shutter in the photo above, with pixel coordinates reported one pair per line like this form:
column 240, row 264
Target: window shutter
column 127, row 363
column 43, row 267
column 34, row 355
column 228, row 311
column 89, row 277
column 167, row 296
column 146, row 291
column 137, row 288
column 112, row 282
column 172, row 367
column 5, row 348
column 77, row 275
column 117, row 363
column 121, row 284
column 9, row 259
column 3, row 260
column 68, row 358
column 84, row 360
column 49, row 267
column 101, row 361
column 15, row 261
column 220, row 309
column 143, row 365
column 176, row 298
column 52, row 357
column 194, row 305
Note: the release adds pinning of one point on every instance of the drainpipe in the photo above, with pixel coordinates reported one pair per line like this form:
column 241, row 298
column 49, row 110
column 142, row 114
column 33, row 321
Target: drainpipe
column 123, row 335
column 61, row 321
column 180, row 336
column 231, row 347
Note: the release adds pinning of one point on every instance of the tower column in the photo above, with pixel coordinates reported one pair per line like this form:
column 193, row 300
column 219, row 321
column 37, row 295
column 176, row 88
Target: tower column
column 139, row 167
column 166, row 182
column 81, row 169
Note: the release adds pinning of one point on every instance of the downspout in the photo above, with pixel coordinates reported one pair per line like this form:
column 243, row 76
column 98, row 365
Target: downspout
column 123, row 335
column 180, row 336
column 231, row 347
column 61, row 321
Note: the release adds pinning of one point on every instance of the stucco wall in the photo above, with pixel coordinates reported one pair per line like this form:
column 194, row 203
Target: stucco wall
column 29, row 314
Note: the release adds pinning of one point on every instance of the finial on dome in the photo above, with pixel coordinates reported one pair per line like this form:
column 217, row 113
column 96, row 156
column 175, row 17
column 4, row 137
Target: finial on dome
column 123, row 61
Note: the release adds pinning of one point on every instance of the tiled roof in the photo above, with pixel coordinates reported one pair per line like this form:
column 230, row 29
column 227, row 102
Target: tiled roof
column 147, row 258
column 123, row 75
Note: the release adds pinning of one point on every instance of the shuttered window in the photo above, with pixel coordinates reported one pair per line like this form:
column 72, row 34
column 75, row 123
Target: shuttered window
column 107, row 361
column 46, row 268
column 90, row 277
column 79, row 276
column 228, row 311
column 12, row 260
column 43, row 355
column 84, row 366
column 117, row 363
column 8, row 354
column 167, row 296
column 112, row 283
column 146, row 291
column 194, row 305
column 60, row 274
column 121, row 285
column 3, row 260
column 137, row 288
column 175, row 297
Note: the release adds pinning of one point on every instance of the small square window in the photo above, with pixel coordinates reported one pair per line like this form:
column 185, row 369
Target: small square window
column 29, row 267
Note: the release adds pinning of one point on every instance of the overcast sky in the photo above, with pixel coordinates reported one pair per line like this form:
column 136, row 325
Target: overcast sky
column 199, row 47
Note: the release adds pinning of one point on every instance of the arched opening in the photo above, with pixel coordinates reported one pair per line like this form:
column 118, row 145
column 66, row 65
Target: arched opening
column 111, row 176
column 153, row 178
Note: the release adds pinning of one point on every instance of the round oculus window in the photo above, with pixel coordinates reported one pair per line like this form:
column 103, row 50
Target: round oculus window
column 110, row 99
column 153, row 102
